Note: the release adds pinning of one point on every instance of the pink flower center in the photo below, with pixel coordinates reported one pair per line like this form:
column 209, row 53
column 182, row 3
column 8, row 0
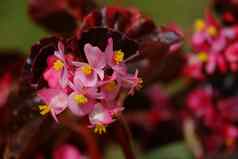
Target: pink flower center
column 202, row 56
column 80, row 99
column 87, row 69
column 212, row 31
column 199, row 25
column 58, row 65
column 118, row 56
column 110, row 87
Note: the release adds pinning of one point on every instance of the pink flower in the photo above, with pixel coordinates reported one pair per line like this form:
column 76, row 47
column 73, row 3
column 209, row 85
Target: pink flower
column 67, row 152
column 57, row 75
column 55, row 100
column 110, row 89
column 100, row 115
column 87, row 73
column 90, row 89
column 82, row 100
column 115, row 59
column 131, row 82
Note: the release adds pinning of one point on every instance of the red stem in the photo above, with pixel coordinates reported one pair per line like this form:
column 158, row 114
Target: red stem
column 87, row 136
column 124, row 138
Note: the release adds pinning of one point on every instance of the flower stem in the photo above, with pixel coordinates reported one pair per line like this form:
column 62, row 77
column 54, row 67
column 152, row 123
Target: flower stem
column 124, row 138
column 89, row 138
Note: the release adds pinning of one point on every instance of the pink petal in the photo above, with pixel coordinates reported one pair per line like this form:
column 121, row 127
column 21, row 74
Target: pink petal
column 93, row 93
column 56, row 99
column 110, row 96
column 52, row 77
column 109, row 52
column 85, row 80
column 100, row 115
column 60, row 52
column 59, row 102
column 94, row 56
column 211, row 64
column 77, row 109
column 64, row 78
column 100, row 73
column 198, row 38
column 47, row 94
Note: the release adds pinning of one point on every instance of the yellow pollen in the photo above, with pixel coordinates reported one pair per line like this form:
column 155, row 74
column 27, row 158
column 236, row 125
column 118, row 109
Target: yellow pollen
column 118, row 56
column 80, row 99
column 44, row 109
column 87, row 69
column 111, row 86
column 199, row 25
column 58, row 65
column 140, row 83
column 212, row 31
column 100, row 129
column 202, row 56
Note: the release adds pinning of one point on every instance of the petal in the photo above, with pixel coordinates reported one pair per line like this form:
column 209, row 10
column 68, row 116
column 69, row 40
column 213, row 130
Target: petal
column 60, row 52
column 93, row 93
column 211, row 64
column 47, row 94
column 79, row 110
column 64, row 78
column 59, row 102
column 94, row 56
column 100, row 73
column 100, row 115
column 109, row 51
column 52, row 77
column 85, row 80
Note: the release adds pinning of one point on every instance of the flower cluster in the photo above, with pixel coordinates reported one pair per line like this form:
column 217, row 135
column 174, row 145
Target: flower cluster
column 216, row 117
column 215, row 49
column 92, row 87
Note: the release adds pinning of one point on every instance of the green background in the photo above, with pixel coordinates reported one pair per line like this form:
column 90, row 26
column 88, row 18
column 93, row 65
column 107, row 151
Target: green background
column 17, row 31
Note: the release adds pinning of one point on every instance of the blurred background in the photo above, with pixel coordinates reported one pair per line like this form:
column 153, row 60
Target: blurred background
column 18, row 32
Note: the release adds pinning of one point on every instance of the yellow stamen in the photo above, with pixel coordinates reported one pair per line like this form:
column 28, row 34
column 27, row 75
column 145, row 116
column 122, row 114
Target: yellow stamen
column 87, row 69
column 140, row 83
column 80, row 99
column 202, row 56
column 118, row 56
column 58, row 65
column 44, row 109
column 100, row 129
column 199, row 25
column 111, row 86
column 212, row 31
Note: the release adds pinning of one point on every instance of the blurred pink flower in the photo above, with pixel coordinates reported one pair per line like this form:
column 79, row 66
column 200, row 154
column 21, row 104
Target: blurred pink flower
column 67, row 151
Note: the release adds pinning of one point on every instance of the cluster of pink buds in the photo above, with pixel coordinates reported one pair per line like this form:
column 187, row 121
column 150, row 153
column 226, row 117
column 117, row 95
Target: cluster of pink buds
column 94, row 88
column 215, row 49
